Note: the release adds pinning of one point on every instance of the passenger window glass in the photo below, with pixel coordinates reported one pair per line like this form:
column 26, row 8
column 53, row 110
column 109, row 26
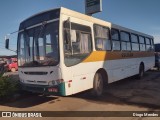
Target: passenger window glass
column 102, row 38
column 134, row 38
column 115, row 34
column 125, row 36
column 102, row 44
column 148, row 44
column 141, row 39
column 142, row 47
column 84, row 43
column 142, row 43
column 126, row 44
column 148, row 41
column 116, row 45
column 77, row 46
column 115, row 39
column 135, row 44
column 101, row 32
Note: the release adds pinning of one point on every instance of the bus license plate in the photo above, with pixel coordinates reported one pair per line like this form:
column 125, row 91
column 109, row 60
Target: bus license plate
column 52, row 89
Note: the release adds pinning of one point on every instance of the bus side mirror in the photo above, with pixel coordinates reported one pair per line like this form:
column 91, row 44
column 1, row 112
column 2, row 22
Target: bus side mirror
column 66, row 31
column 7, row 43
column 66, row 34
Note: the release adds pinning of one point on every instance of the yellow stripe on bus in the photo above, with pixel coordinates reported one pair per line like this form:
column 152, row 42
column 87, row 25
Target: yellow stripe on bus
column 114, row 55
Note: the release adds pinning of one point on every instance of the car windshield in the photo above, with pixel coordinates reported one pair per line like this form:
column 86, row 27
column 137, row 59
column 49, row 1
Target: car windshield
column 38, row 46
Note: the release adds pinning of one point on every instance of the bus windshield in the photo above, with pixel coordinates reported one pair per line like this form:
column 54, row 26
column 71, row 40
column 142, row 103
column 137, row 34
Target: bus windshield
column 38, row 46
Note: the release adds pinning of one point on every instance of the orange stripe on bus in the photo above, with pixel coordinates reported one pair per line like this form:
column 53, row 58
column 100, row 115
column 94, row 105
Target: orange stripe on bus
column 114, row 55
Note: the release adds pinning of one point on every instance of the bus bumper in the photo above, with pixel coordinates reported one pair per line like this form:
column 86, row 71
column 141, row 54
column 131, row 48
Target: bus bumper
column 58, row 90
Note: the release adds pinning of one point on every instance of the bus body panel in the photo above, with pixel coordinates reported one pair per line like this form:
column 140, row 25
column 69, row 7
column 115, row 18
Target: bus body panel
column 43, row 80
column 79, row 77
column 79, row 74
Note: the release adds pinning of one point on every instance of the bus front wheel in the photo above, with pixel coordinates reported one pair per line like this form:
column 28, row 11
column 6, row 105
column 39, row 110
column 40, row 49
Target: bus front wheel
column 97, row 85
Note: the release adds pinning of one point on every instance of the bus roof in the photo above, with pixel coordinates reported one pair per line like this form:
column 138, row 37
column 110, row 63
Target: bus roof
column 99, row 21
column 90, row 19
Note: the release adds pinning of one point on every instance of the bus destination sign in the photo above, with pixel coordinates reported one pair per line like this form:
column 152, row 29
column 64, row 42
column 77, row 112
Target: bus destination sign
column 93, row 6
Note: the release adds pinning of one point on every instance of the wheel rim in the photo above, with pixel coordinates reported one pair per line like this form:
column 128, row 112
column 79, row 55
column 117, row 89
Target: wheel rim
column 99, row 83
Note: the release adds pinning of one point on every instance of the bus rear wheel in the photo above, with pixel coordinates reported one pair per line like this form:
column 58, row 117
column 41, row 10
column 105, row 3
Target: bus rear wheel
column 97, row 85
column 141, row 71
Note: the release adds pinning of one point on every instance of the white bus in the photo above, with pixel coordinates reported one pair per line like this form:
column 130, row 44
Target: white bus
column 63, row 52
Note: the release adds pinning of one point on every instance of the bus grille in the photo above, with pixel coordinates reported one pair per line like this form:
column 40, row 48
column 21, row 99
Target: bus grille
column 36, row 73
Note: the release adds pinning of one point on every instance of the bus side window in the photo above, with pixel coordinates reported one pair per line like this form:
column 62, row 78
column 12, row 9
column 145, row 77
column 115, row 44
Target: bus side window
column 77, row 43
column 148, row 44
column 115, row 39
column 142, row 43
column 135, row 44
column 102, row 38
column 126, row 44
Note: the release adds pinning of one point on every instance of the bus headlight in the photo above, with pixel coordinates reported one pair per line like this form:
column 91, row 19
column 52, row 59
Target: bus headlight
column 55, row 82
column 59, row 81
column 51, row 83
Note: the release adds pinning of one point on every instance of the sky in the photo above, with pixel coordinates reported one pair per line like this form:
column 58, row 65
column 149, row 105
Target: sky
column 139, row 15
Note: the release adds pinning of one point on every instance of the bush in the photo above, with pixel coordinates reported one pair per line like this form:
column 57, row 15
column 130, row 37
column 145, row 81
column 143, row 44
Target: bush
column 8, row 87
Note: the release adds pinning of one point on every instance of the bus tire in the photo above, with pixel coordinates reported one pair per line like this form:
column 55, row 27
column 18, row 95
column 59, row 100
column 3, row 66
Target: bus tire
column 97, row 85
column 141, row 71
column 13, row 69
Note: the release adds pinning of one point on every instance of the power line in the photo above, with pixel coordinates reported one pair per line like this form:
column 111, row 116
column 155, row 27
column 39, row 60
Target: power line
column 10, row 43
column 4, row 43
column 7, row 49
column 3, row 48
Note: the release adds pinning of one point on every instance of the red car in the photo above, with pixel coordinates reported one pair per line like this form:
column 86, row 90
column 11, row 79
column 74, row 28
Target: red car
column 12, row 64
